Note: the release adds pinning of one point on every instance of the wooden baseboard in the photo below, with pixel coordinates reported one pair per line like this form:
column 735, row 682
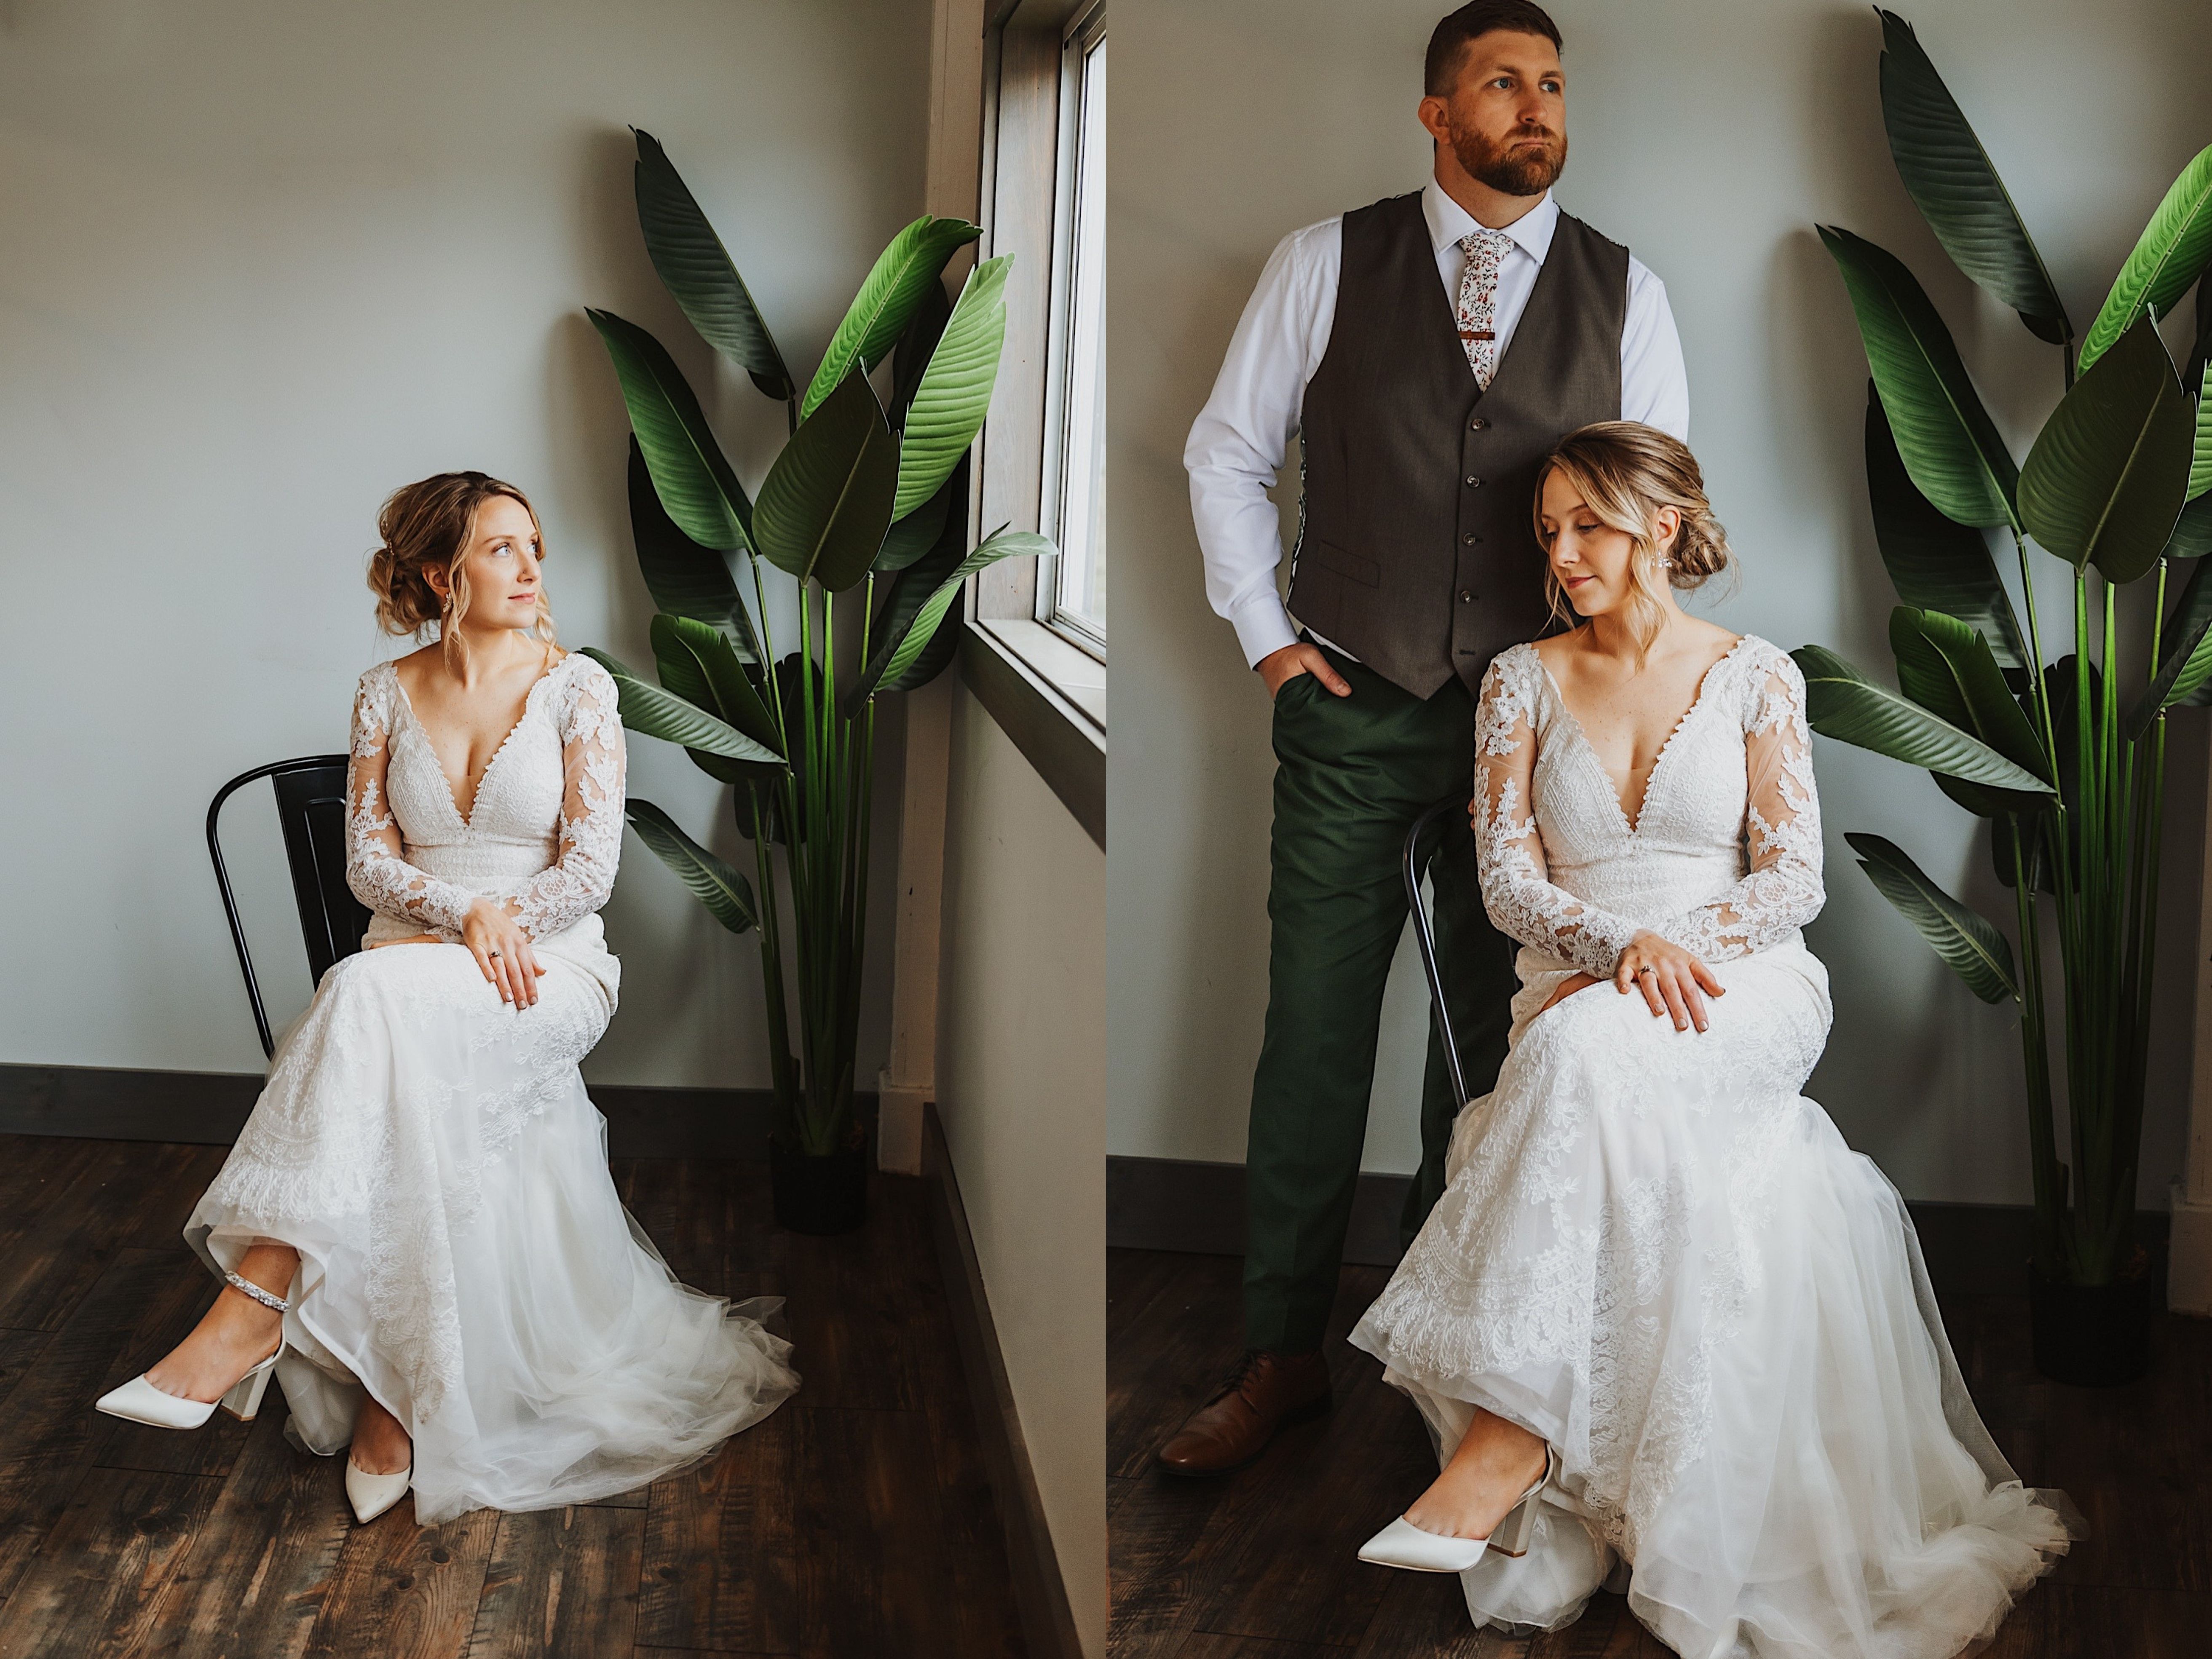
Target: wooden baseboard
column 1176, row 1204
column 1040, row 1591
column 210, row 1108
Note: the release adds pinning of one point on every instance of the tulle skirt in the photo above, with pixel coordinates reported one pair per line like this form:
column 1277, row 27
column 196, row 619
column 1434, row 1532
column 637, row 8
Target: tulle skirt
column 1656, row 1253
column 463, row 1255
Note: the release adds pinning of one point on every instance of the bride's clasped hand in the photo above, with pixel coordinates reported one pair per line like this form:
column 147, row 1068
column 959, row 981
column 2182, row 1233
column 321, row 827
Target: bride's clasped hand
column 418, row 1232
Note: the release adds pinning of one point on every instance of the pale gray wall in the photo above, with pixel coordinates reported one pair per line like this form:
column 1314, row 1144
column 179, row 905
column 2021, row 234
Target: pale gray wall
column 1021, row 1076
column 264, row 264
column 1711, row 138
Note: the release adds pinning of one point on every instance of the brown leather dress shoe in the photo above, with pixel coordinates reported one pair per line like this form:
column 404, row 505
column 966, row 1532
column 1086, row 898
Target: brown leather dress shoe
column 1266, row 1392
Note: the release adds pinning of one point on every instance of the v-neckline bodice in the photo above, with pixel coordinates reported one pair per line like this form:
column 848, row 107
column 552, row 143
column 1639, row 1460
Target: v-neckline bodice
column 1632, row 827
column 528, row 703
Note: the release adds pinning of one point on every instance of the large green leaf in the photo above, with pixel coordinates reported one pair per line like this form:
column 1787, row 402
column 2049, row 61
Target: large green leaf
column 915, row 344
column 706, row 664
column 934, row 657
column 1936, row 563
column 2192, row 531
column 902, row 652
column 2201, row 353
column 727, row 895
column 657, row 713
column 2106, row 480
column 902, row 275
column 2186, row 640
column 2200, row 460
column 913, row 536
column 1842, row 703
column 1951, row 177
column 826, row 501
column 910, row 589
column 1950, row 445
column 682, row 673
column 697, row 270
column 684, row 578
column 2169, row 255
column 689, row 472
column 955, row 391
column 1945, row 667
column 1954, row 665
column 1966, row 941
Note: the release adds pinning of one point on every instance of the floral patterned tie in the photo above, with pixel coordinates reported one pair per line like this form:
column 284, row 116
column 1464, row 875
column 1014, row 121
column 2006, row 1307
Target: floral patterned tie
column 1477, row 299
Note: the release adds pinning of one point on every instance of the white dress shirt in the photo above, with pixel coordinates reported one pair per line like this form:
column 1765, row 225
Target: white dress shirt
column 1237, row 443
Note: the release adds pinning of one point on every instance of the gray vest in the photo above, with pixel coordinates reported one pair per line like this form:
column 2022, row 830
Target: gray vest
column 1417, row 550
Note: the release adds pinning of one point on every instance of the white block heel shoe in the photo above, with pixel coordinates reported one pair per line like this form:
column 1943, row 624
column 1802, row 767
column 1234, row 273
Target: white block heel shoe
column 372, row 1494
column 140, row 1401
column 1402, row 1544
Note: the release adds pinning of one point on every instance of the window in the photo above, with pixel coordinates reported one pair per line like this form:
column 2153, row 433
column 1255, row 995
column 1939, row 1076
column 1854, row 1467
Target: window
column 1041, row 463
column 1074, row 598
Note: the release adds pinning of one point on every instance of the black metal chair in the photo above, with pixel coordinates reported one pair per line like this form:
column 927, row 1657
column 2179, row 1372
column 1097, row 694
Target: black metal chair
column 311, row 805
column 1424, row 934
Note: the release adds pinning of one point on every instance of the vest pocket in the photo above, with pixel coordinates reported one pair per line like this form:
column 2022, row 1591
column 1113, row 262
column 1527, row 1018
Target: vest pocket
column 1352, row 567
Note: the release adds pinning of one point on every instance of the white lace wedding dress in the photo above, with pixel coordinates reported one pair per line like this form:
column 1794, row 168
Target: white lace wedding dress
column 431, row 1153
column 1654, row 1252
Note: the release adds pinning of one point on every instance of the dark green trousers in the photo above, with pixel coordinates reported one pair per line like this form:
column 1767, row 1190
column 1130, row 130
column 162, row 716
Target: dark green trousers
column 1352, row 775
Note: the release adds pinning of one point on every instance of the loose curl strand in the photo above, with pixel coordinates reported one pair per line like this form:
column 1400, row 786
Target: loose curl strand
column 1626, row 472
column 427, row 526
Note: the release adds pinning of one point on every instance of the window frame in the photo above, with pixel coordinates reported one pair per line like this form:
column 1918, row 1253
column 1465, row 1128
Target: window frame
column 1046, row 691
column 1085, row 31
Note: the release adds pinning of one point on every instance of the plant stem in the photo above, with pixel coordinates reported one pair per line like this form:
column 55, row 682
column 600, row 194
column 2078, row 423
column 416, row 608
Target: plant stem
column 806, row 846
column 767, row 668
column 2127, row 1125
column 2042, row 1129
column 771, row 932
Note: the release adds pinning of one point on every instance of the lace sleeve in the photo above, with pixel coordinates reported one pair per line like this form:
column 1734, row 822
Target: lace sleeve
column 1782, row 890
column 593, row 760
column 379, row 876
column 1509, row 853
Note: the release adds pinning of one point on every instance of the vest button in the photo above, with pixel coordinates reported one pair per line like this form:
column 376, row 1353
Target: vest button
column 1474, row 482
column 1468, row 540
column 1477, row 424
column 1467, row 596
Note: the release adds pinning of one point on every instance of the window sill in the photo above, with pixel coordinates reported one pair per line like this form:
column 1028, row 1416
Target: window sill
column 1050, row 698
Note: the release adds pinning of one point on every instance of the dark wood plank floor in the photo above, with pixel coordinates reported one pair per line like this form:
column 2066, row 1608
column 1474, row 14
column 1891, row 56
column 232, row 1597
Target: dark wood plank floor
column 855, row 1520
column 1262, row 1564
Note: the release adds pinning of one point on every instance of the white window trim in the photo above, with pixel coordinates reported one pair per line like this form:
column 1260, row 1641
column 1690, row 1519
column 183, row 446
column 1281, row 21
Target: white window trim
column 1086, row 29
column 1047, row 693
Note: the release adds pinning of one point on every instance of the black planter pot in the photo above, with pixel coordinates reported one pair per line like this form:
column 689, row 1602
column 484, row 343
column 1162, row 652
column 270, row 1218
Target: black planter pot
column 821, row 1194
column 2095, row 1336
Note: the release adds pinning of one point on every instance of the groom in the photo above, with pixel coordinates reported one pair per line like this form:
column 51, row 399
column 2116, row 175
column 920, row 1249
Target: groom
column 1429, row 349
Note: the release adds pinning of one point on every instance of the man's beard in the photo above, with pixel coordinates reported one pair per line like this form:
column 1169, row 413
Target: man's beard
column 1512, row 168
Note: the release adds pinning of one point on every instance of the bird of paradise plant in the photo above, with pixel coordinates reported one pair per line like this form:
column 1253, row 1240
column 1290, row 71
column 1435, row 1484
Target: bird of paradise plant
column 2066, row 759
column 864, row 511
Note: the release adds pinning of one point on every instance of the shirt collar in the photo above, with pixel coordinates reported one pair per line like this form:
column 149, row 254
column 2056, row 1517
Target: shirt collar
column 1449, row 222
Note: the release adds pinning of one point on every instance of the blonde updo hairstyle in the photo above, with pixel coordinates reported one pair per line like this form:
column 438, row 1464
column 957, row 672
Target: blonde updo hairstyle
column 1625, row 472
column 428, row 525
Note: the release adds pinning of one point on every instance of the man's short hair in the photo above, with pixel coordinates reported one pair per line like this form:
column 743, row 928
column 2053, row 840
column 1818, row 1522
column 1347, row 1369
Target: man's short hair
column 1448, row 45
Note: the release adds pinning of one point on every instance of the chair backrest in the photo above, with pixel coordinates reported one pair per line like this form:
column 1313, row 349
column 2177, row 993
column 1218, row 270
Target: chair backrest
column 1424, row 934
column 311, row 806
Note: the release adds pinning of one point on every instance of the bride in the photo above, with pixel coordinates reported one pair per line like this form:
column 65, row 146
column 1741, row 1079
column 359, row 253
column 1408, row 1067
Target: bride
column 418, row 1230
column 1667, row 1331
